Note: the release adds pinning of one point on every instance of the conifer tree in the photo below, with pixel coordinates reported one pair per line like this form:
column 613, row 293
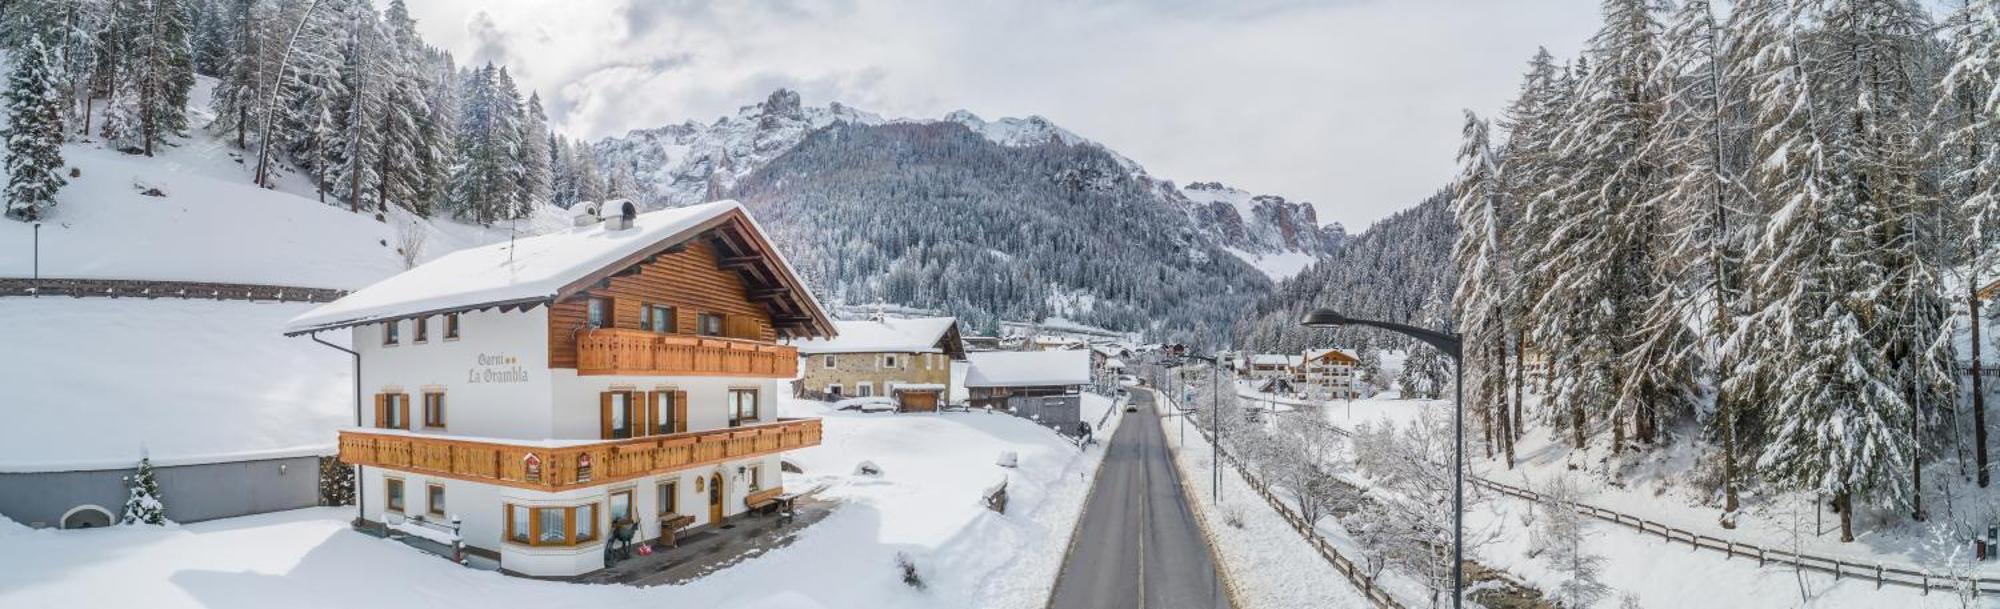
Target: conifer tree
column 143, row 503
column 1971, row 153
column 1483, row 279
column 34, row 161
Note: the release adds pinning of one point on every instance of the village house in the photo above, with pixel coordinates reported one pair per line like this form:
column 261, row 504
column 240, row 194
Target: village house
column 906, row 360
column 559, row 391
column 1267, row 366
column 1328, row 374
column 1046, row 386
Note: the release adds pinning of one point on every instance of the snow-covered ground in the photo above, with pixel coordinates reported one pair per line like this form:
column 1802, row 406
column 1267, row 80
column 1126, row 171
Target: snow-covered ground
column 1279, row 266
column 1657, row 573
column 1269, row 564
column 96, row 383
column 212, row 224
column 926, row 503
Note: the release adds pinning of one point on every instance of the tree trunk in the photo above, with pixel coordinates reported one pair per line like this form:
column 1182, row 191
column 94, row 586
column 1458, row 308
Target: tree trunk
column 1978, row 390
column 1506, row 422
column 1520, row 380
column 1844, row 502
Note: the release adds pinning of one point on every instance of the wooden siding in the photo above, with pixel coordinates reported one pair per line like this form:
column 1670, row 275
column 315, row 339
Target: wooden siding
column 613, row 461
column 688, row 280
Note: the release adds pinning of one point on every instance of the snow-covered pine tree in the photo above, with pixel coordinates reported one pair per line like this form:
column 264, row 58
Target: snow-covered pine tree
column 486, row 178
column 35, row 103
column 401, row 136
column 143, row 504
column 1840, row 426
column 1527, row 172
column 243, row 73
column 159, row 71
column 1483, row 282
column 1971, row 155
column 534, row 155
column 309, row 125
column 357, row 177
column 1602, row 228
column 1696, row 258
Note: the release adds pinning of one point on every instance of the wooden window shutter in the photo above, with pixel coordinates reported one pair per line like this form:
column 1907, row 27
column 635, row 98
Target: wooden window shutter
column 604, row 415
column 381, row 410
column 680, row 412
column 403, row 409
column 652, row 413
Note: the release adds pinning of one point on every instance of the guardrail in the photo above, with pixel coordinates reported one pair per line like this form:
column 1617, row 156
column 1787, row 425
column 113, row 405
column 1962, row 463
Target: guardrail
column 148, row 288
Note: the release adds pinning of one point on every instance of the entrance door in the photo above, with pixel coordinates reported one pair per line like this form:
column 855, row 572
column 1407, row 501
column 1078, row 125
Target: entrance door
column 715, row 499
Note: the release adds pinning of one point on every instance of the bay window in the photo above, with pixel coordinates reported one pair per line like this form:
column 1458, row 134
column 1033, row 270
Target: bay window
column 552, row 526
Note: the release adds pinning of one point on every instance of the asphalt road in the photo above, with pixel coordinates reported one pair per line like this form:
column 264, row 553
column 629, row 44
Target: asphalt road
column 1138, row 545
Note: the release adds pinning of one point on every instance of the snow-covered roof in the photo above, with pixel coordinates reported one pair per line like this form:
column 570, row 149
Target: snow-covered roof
column 1339, row 355
column 1028, row 368
column 535, row 269
column 886, row 335
column 181, row 381
column 1274, row 359
column 1115, row 363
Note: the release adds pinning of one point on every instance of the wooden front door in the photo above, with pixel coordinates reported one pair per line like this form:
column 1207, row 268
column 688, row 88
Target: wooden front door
column 715, row 499
column 920, row 401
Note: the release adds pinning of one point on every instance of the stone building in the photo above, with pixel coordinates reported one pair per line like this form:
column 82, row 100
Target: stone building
column 906, row 360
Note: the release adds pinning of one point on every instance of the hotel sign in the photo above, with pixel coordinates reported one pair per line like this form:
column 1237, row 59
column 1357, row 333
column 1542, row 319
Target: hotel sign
column 497, row 369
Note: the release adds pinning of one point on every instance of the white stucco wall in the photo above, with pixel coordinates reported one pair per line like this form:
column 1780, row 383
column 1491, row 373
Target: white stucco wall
column 577, row 410
column 495, row 376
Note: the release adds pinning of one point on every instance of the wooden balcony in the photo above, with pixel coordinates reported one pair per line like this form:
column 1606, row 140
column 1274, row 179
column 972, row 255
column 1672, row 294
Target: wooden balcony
column 561, row 468
column 638, row 352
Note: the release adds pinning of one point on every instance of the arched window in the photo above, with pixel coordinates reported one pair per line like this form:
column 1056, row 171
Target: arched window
column 86, row 517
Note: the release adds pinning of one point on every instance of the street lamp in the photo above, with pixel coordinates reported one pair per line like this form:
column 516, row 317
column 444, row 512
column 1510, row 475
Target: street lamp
column 1448, row 344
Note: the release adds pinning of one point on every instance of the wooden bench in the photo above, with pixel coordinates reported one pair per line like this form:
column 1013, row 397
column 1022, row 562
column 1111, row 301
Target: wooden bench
column 764, row 501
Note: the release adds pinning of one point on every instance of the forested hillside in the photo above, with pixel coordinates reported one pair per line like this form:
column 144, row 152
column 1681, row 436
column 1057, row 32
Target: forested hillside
column 1397, row 270
column 935, row 215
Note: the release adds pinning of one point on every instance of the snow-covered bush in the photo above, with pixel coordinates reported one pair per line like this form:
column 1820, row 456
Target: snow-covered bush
column 1404, row 520
column 908, row 568
column 1561, row 538
column 410, row 238
column 142, row 505
column 1306, row 454
column 867, row 468
column 336, row 482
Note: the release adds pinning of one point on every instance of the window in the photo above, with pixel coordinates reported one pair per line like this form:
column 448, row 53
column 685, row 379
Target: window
column 392, row 410
column 586, row 522
column 864, row 389
column 620, row 410
column 394, row 494
column 710, row 324
column 670, row 498
column 600, row 313
column 664, row 411
column 621, row 506
column 829, row 362
column 742, row 406
column 756, row 478
column 435, row 498
column 888, row 361
column 433, row 409
column 833, row 391
column 658, row 318
column 423, row 326
column 390, row 333
column 451, row 326
column 518, row 522
column 552, row 525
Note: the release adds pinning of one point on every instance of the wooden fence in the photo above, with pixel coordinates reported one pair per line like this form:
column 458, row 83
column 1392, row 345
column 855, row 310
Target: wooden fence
column 1879, row 573
column 1341, row 563
column 147, row 288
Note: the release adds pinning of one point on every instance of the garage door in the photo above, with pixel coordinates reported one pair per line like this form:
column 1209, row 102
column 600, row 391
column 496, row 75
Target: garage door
column 920, row 401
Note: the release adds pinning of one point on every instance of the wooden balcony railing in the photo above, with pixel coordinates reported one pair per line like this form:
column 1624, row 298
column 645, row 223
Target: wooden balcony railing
column 638, row 352
column 570, row 467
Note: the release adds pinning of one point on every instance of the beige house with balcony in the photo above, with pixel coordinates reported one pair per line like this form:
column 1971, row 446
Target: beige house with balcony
column 906, row 360
column 554, row 392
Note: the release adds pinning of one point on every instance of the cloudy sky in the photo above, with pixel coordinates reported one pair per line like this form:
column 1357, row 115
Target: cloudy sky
column 1353, row 105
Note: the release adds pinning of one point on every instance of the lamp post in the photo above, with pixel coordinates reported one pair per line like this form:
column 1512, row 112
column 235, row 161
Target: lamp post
column 1214, row 419
column 1448, row 344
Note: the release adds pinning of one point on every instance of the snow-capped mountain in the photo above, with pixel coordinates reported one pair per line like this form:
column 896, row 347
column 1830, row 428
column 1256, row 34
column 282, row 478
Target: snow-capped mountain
column 1278, row 236
column 693, row 162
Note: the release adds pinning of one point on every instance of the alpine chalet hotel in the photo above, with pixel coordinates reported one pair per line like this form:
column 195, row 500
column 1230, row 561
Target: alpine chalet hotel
column 622, row 371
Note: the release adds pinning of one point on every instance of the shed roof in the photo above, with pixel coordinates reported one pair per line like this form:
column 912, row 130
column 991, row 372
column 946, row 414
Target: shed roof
column 1028, row 368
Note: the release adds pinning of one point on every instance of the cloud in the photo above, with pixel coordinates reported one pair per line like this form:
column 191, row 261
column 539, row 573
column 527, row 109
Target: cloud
column 1350, row 104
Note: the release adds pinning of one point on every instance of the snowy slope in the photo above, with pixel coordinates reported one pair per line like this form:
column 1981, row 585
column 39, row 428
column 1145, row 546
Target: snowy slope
column 925, row 504
column 212, row 224
column 96, row 383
